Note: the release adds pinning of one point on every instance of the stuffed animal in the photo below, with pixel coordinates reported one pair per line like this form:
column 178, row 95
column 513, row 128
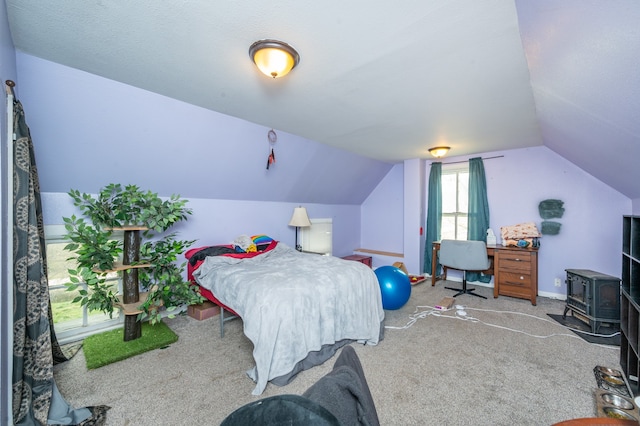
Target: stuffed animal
column 244, row 243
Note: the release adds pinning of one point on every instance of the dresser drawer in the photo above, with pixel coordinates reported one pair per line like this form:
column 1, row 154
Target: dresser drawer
column 515, row 261
column 515, row 279
column 515, row 285
column 513, row 291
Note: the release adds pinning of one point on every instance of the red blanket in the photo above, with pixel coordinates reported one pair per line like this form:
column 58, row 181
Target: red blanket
column 240, row 255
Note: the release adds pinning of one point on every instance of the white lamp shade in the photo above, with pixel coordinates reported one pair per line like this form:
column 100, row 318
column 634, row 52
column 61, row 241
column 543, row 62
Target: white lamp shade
column 300, row 217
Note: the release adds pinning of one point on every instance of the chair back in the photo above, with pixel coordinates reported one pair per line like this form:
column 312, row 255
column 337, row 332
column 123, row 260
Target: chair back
column 464, row 255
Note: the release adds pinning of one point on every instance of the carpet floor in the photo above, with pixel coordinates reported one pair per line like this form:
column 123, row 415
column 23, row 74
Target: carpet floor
column 606, row 335
column 505, row 363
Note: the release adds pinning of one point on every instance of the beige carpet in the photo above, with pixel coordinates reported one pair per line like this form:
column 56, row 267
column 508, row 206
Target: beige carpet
column 503, row 369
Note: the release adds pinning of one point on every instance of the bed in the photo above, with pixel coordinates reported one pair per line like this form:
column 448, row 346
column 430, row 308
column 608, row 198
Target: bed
column 297, row 308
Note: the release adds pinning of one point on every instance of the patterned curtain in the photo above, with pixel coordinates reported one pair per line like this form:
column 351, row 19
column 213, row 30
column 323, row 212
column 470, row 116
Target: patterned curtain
column 478, row 210
column 434, row 216
column 35, row 347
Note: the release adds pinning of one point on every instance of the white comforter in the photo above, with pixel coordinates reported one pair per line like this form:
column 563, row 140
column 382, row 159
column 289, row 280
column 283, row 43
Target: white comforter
column 292, row 303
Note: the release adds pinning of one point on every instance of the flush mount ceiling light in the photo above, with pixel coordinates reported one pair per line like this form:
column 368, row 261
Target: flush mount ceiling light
column 274, row 58
column 439, row 151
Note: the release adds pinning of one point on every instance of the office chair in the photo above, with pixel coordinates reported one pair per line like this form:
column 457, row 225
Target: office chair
column 465, row 256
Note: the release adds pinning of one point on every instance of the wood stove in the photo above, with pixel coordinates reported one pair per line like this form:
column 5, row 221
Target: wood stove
column 593, row 298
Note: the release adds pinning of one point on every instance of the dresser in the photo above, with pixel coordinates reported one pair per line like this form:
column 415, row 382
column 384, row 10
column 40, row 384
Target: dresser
column 367, row 260
column 514, row 270
column 516, row 273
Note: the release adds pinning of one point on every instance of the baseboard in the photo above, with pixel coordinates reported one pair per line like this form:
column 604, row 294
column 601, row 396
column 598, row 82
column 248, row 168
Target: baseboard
column 550, row 295
column 547, row 294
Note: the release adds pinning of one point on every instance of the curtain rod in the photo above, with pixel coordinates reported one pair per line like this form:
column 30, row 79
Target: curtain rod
column 9, row 87
column 466, row 161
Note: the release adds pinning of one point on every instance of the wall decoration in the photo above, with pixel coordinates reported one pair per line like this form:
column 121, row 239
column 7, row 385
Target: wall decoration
column 549, row 227
column 551, row 209
column 272, row 137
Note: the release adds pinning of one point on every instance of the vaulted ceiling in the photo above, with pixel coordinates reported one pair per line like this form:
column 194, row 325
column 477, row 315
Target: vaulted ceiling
column 386, row 80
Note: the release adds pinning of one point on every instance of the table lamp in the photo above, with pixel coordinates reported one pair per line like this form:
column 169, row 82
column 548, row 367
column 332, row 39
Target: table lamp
column 299, row 219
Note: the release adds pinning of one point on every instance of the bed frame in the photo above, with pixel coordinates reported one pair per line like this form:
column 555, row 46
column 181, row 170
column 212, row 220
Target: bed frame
column 208, row 295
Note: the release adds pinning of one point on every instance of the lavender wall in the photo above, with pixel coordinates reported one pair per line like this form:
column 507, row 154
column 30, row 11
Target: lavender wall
column 382, row 214
column 221, row 221
column 414, row 213
column 591, row 233
column 393, row 214
column 590, row 237
column 91, row 131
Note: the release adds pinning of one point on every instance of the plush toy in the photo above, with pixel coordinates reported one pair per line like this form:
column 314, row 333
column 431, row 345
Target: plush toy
column 244, row 243
column 523, row 242
column 261, row 239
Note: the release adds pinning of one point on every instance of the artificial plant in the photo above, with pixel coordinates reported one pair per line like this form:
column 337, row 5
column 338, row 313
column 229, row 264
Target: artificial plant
column 119, row 207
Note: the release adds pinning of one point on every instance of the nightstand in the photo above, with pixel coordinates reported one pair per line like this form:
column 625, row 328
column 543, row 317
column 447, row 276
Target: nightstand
column 367, row 260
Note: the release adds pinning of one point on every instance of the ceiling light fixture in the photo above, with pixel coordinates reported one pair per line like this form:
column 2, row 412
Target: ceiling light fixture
column 439, row 151
column 274, row 58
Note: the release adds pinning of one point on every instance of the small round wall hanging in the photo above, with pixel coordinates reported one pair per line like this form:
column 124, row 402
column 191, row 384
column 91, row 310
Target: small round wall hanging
column 272, row 141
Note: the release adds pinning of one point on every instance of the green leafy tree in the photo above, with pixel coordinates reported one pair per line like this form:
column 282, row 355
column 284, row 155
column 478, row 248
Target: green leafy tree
column 118, row 206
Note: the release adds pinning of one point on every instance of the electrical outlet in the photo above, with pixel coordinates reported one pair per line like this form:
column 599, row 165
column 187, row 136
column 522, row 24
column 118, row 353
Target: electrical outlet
column 558, row 282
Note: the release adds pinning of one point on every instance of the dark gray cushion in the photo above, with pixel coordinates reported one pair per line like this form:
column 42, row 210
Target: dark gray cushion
column 283, row 410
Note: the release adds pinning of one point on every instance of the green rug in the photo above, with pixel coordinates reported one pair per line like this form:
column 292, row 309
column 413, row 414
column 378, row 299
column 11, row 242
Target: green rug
column 109, row 347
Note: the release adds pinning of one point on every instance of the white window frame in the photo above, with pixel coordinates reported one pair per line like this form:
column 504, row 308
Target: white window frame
column 56, row 234
column 451, row 170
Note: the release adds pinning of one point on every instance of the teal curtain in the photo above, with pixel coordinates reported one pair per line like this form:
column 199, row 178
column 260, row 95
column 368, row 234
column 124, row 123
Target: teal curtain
column 434, row 216
column 36, row 400
column 478, row 210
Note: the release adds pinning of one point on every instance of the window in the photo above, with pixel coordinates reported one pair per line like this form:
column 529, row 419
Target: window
column 71, row 320
column 455, row 203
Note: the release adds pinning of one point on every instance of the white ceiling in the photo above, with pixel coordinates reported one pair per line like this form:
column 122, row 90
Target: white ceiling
column 383, row 79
